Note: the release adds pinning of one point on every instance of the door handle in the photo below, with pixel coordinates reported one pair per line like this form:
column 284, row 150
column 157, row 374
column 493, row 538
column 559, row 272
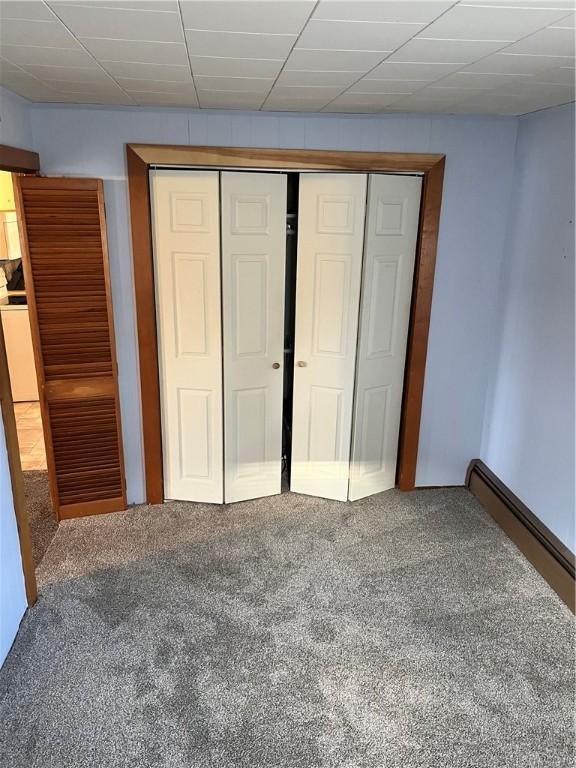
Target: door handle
column 276, row 365
column 301, row 363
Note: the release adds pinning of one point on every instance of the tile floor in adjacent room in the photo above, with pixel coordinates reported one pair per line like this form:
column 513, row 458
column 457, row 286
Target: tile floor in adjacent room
column 30, row 435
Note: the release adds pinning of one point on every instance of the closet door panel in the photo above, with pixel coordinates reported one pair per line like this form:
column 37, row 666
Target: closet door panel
column 253, row 265
column 330, row 239
column 186, row 233
column 390, row 250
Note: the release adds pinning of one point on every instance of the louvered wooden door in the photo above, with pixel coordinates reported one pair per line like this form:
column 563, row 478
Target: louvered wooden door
column 68, row 288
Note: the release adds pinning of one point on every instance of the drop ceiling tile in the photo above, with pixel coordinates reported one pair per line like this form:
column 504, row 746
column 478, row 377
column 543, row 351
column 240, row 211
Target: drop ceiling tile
column 137, row 51
column 305, row 77
column 516, row 64
column 96, row 90
column 445, row 51
column 307, row 92
column 394, row 70
column 362, row 101
column 546, row 42
column 387, row 86
column 238, row 44
column 224, row 67
column 566, row 5
column 68, row 74
column 159, row 72
column 428, row 101
column 294, row 105
column 471, row 22
column 50, row 34
column 568, row 22
column 481, row 81
column 415, row 11
column 32, row 54
column 281, row 16
column 230, row 100
column 133, row 84
column 119, row 24
column 7, row 66
column 352, row 109
column 25, row 9
column 170, row 6
column 356, row 36
column 237, row 84
column 334, row 61
column 150, row 99
column 559, row 75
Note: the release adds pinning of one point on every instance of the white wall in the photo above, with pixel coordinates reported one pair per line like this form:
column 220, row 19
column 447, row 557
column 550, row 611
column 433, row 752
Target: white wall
column 89, row 141
column 529, row 429
column 15, row 130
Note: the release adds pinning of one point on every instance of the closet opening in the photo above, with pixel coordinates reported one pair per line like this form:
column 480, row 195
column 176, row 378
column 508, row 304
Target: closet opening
column 289, row 322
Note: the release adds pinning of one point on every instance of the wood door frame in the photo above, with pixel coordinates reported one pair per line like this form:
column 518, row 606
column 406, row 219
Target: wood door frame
column 15, row 160
column 141, row 157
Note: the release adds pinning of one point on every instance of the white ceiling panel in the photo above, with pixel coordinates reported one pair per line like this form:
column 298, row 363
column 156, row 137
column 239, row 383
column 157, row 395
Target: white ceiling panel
column 356, row 36
column 158, row 72
column 305, row 77
column 225, row 67
column 506, row 56
column 466, row 22
column 481, row 81
column 238, row 44
column 68, row 74
column 32, row 54
column 50, row 34
column 335, row 61
column 25, row 9
column 133, row 85
column 393, row 70
column 546, row 42
column 387, row 86
column 235, row 84
column 120, row 24
column 137, row 51
column 560, row 75
column 230, row 100
column 413, row 11
column 280, row 16
column 445, row 51
column 516, row 64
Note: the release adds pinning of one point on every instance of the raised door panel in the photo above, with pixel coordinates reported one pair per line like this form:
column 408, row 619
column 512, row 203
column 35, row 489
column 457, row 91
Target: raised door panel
column 330, row 240
column 186, row 235
column 253, row 265
column 390, row 250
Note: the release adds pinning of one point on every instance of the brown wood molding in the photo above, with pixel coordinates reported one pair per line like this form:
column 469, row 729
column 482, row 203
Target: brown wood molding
column 551, row 558
column 7, row 408
column 18, row 160
column 141, row 157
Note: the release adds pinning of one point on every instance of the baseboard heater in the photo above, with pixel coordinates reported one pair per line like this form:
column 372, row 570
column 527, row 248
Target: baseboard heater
column 551, row 558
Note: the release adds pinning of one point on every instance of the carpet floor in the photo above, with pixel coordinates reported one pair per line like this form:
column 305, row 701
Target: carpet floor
column 400, row 631
column 41, row 518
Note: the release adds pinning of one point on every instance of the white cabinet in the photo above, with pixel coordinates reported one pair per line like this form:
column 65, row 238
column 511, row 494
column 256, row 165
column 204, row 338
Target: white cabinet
column 20, row 353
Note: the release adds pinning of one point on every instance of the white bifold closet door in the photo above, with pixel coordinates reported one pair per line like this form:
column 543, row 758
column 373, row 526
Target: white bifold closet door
column 330, row 239
column 186, row 236
column 253, row 266
column 389, row 254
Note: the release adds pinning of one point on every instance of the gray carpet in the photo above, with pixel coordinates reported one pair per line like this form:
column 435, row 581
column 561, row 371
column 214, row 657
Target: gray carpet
column 401, row 631
column 41, row 518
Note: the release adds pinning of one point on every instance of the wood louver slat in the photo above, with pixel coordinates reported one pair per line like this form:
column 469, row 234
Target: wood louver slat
column 68, row 286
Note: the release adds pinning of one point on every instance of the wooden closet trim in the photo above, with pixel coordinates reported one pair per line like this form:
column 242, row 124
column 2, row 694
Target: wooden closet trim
column 15, row 160
column 140, row 158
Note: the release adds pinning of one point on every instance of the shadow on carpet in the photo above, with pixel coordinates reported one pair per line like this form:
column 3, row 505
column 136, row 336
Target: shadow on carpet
column 41, row 518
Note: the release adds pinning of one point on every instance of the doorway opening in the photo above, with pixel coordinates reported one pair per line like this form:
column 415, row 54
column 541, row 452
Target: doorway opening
column 22, row 374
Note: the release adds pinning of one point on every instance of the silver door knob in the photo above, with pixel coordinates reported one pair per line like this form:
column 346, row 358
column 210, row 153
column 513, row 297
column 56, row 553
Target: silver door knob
column 301, row 364
column 275, row 365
